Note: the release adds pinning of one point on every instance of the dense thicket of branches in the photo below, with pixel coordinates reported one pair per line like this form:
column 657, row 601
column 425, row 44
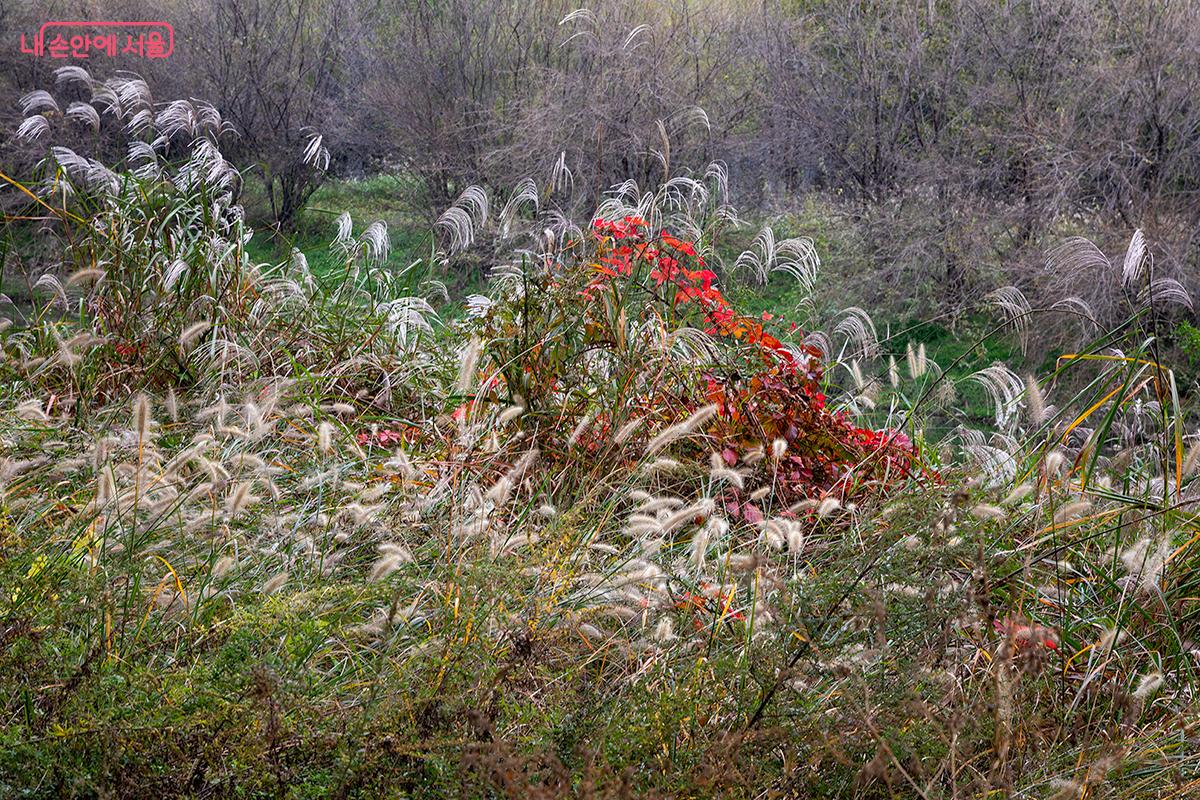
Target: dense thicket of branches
column 954, row 132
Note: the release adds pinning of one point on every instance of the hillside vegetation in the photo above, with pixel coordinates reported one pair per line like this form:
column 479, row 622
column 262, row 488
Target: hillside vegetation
column 599, row 529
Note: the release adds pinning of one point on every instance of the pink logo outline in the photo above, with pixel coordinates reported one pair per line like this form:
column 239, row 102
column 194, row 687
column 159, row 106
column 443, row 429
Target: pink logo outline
column 39, row 40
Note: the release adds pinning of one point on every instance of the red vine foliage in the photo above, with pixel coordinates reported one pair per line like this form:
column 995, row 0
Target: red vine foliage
column 623, row 279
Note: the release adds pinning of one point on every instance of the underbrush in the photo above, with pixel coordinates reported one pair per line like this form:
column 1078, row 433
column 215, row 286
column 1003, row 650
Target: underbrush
column 265, row 533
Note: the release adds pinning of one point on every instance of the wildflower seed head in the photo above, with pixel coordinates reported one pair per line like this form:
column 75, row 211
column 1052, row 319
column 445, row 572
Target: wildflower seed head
column 1148, row 685
column 274, row 584
column 1018, row 494
column 509, row 414
column 325, row 438
column 1035, row 401
column 468, row 366
column 1072, row 511
column 828, row 506
column 983, row 511
column 141, row 416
